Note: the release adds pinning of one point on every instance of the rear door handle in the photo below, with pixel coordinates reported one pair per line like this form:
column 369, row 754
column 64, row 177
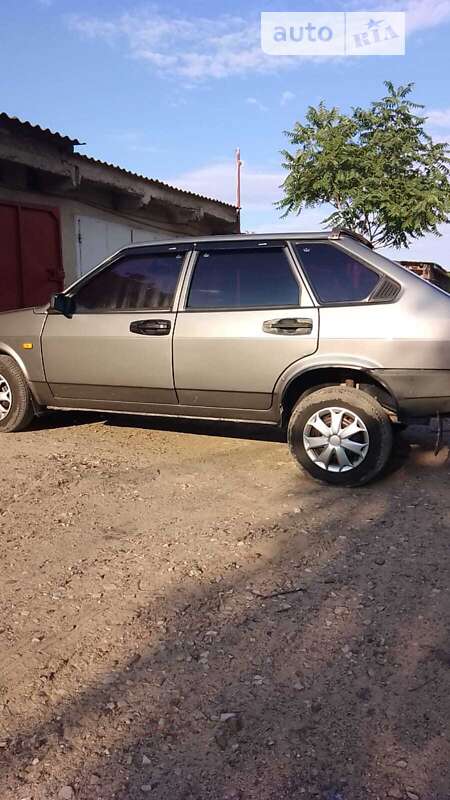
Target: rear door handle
column 288, row 326
column 151, row 327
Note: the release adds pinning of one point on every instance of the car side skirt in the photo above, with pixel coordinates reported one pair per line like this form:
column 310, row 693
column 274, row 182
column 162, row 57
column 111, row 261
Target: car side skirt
column 233, row 406
column 181, row 412
column 45, row 399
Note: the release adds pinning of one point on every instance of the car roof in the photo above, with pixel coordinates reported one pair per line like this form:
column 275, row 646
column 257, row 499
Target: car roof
column 335, row 233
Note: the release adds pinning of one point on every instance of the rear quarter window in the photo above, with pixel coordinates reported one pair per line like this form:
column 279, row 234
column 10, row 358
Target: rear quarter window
column 334, row 275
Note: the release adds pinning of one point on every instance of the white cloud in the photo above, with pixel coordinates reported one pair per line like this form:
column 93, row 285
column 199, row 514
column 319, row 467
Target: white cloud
column 427, row 248
column 286, row 97
column 310, row 219
column 197, row 48
column 260, row 187
column 260, row 190
column 438, row 124
column 253, row 101
column 188, row 47
column 439, row 118
column 421, row 14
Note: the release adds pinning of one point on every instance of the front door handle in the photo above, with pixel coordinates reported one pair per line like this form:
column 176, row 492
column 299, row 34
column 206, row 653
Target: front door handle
column 288, row 326
column 151, row 327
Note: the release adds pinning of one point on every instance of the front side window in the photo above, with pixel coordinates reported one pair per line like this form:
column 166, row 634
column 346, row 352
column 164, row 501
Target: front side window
column 336, row 276
column 246, row 278
column 135, row 283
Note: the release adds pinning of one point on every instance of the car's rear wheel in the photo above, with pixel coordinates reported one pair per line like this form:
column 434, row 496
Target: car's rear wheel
column 16, row 405
column 340, row 435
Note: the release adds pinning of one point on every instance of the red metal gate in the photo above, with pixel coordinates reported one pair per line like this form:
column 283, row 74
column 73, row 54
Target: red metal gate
column 30, row 255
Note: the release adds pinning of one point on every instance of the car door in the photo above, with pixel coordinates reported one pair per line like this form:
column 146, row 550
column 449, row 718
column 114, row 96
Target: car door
column 244, row 317
column 117, row 345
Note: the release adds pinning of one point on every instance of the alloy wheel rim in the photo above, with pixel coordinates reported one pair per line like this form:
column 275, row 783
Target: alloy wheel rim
column 5, row 398
column 336, row 439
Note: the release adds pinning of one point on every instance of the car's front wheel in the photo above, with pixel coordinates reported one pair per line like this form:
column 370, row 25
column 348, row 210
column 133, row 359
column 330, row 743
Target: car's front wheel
column 340, row 435
column 16, row 405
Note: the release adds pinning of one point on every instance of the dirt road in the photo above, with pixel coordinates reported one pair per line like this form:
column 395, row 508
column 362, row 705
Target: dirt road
column 185, row 617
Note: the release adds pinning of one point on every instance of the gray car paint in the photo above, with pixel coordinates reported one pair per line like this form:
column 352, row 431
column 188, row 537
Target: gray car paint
column 225, row 365
column 243, row 361
column 411, row 333
column 95, row 356
column 23, row 327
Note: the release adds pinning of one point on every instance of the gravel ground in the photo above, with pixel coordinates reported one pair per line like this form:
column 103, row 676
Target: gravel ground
column 186, row 617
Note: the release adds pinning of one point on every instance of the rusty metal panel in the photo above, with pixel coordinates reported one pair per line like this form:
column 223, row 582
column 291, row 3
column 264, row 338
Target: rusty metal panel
column 430, row 271
column 10, row 271
column 30, row 255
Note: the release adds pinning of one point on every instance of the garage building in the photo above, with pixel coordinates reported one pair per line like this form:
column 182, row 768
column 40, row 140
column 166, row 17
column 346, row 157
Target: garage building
column 62, row 212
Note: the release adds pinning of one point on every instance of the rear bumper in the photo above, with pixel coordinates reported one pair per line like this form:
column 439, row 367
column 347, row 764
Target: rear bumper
column 418, row 392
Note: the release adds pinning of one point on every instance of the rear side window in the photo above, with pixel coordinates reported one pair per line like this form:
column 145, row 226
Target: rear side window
column 247, row 278
column 137, row 283
column 336, row 276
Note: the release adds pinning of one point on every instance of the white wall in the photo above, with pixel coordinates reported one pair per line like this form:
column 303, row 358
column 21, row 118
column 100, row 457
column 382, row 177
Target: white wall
column 105, row 231
column 99, row 238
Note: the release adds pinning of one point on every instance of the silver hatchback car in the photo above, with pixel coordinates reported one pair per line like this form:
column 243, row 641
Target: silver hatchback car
column 314, row 331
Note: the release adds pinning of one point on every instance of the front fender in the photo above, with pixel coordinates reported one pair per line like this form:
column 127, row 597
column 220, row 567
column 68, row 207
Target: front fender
column 6, row 350
column 23, row 327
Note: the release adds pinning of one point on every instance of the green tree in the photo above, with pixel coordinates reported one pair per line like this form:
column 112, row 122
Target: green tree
column 378, row 167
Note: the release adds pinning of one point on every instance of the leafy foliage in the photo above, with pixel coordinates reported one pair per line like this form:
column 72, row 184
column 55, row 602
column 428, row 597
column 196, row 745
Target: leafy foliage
column 378, row 167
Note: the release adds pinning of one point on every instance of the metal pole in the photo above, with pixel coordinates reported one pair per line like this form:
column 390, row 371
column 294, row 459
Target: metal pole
column 238, row 179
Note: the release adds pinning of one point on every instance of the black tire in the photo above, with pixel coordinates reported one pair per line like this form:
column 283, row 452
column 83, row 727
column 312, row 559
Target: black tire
column 399, row 427
column 368, row 410
column 21, row 410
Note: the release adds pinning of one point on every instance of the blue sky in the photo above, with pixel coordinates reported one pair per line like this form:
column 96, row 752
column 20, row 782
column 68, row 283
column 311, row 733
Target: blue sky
column 169, row 90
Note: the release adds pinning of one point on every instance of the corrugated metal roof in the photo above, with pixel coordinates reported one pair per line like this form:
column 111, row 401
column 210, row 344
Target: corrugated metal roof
column 100, row 163
column 15, row 122
column 36, row 129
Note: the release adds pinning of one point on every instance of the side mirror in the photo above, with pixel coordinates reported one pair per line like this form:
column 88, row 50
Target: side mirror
column 63, row 304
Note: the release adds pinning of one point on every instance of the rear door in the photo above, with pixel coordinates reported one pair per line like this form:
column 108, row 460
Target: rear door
column 244, row 318
column 117, row 346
